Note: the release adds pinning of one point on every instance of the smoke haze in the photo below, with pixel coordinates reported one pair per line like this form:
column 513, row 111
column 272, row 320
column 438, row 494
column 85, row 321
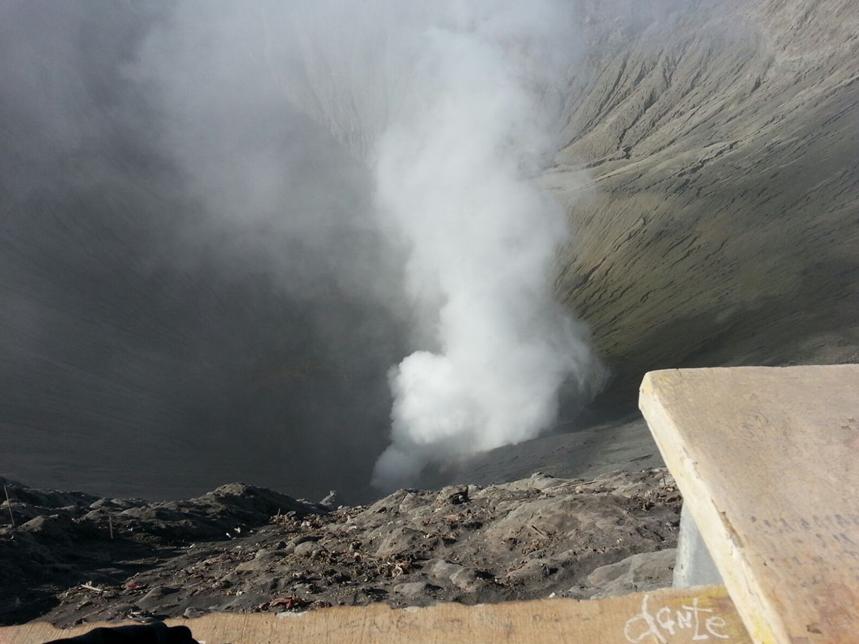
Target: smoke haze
column 275, row 237
column 452, row 175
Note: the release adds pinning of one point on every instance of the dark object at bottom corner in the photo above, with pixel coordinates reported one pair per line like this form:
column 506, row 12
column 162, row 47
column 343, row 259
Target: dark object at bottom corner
column 157, row 633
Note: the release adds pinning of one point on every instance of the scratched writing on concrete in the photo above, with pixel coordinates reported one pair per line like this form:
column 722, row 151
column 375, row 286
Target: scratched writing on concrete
column 665, row 623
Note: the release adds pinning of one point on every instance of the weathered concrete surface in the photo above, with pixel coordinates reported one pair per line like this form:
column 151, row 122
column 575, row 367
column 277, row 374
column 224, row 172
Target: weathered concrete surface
column 693, row 565
column 618, row 620
column 766, row 461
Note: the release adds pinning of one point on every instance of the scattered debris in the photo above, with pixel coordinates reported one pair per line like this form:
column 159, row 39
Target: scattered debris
column 518, row 540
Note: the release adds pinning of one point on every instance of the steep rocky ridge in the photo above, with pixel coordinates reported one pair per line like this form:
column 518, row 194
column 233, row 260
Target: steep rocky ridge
column 723, row 224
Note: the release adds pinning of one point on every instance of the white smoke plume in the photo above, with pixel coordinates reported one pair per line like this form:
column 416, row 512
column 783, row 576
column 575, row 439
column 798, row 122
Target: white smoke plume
column 454, row 176
column 451, row 106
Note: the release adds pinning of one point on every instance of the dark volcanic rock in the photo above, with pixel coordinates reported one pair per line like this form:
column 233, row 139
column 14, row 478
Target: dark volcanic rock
column 241, row 548
column 225, row 511
column 65, row 539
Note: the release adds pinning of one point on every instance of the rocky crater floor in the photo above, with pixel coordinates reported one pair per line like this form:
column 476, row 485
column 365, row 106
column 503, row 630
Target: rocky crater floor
column 73, row 557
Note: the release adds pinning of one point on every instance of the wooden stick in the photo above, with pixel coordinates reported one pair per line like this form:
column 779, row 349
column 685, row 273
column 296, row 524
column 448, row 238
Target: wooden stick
column 9, row 503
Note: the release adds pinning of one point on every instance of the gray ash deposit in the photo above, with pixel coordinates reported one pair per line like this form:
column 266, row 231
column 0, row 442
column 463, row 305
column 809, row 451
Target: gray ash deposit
column 74, row 557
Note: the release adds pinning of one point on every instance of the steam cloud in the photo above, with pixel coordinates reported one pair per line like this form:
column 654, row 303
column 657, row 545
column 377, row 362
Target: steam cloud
column 305, row 180
column 451, row 106
column 453, row 175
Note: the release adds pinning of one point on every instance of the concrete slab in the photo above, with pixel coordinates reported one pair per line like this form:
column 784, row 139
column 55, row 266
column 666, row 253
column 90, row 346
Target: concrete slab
column 693, row 565
column 675, row 616
column 767, row 460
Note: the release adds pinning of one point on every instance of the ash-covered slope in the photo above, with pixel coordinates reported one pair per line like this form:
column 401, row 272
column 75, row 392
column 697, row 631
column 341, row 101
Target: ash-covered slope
column 76, row 557
column 723, row 226
column 598, row 449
